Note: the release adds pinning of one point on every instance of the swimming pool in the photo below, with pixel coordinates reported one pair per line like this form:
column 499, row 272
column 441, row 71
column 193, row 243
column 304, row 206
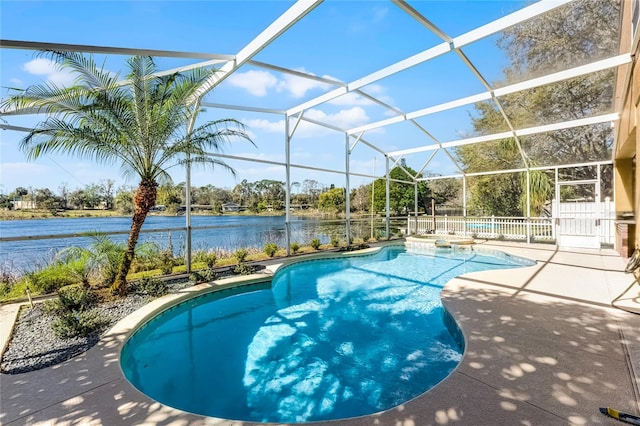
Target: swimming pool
column 327, row 339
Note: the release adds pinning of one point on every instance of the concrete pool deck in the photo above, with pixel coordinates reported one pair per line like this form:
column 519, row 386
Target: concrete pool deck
column 543, row 347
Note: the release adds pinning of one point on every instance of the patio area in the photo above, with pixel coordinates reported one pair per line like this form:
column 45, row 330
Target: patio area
column 543, row 346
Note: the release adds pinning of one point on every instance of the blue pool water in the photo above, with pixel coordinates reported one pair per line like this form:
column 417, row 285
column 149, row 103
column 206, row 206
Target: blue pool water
column 327, row 339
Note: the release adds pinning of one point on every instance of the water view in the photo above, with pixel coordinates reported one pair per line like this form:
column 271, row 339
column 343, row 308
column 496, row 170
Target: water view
column 222, row 232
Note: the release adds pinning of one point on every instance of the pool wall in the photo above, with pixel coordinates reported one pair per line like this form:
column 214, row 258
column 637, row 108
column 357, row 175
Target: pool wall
column 139, row 319
column 129, row 325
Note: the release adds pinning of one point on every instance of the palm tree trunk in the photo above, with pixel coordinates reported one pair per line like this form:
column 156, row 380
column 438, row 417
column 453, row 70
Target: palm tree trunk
column 143, row 201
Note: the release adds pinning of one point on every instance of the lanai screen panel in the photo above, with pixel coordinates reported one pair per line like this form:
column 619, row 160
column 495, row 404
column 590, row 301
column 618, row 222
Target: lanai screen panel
column 368, row 40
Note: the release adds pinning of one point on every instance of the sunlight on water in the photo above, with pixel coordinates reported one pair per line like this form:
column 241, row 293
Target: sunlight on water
column 330, row 339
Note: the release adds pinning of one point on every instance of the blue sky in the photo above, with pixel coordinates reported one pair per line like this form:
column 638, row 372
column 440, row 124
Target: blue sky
column 338, row 40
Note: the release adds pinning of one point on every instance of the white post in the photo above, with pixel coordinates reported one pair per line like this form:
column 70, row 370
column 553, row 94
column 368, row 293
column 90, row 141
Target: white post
column 373, row 185
column 347, row 189
column 387, row 201
column 599, row 227
column 415, row 203
column 187, row 199
column 528, row 207
column 556, row 207
column 493, row 226
column 464, row 196
column 187, row 196
column 287, row 192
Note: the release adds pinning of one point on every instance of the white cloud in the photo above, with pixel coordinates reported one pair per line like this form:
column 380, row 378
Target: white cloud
column 255, row 82
column 350, row 98
column 50, row 70
column 344, row 119
column 298, row 86
column 258, row 83
column 41, row 66
column 265, row 125
column 16, row 81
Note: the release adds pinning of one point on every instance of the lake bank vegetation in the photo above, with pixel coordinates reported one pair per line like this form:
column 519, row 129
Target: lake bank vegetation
column 263, row 197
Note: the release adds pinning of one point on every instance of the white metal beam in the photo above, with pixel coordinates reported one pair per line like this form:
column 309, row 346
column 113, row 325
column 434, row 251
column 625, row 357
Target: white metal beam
column 520, row 170
column 438, row 50
column 513, row 88
column 297, row 166
column 565, row 75
column 243, row 108
column 521, row 132
column 36, row 45
column 297, row 73
column 273, row 31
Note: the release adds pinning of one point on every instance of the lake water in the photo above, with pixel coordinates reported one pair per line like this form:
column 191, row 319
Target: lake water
column 231, row 232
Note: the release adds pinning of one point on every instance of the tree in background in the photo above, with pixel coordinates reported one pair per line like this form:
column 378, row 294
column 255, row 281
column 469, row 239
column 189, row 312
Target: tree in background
column 312, row 189
column 142, row 125
column 123, row 201
column 448, row 190
column 361, row 198
column 571, row 35
column 106, row 187
column 332, row 200
column 63, row 190
column 168, row 195
column 401, row 195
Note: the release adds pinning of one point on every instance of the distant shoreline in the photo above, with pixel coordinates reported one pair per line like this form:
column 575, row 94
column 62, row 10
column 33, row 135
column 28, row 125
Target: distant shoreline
column 7, row 215
column 78, row 214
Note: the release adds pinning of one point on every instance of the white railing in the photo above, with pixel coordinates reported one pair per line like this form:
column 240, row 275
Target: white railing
column 508, row 228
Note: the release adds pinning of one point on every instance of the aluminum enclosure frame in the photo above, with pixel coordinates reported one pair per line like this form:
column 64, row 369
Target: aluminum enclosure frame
column 229, row 64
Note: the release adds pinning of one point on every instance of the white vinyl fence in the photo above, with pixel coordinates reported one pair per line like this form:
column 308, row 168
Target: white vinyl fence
column 579, row 219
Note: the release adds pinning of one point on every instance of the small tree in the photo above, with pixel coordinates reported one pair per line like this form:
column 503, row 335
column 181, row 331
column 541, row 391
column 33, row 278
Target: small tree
column 270, row 249
column 145, row 125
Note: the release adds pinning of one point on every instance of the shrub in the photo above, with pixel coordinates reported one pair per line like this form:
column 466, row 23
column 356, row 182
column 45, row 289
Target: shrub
column 50, row 278
column 148, row 256
column 82, row 323
column 75, row 298
column 294, row 247
column 71, row 299
column 209, row 274
column 243, row 269
column 335, row 241
column 203, row 276
column 108, row 256
column 315, row 243
column 207, row 257
column 82, row 269
column 196, row 277
column 270, row 249
column 241, row 255
column 166, row 262
column 210, row 260
column 151, row 286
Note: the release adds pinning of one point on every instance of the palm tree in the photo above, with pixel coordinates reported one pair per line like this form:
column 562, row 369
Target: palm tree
column 144, row 124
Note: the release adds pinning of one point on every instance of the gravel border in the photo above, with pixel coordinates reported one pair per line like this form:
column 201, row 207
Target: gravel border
column 34, row 346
